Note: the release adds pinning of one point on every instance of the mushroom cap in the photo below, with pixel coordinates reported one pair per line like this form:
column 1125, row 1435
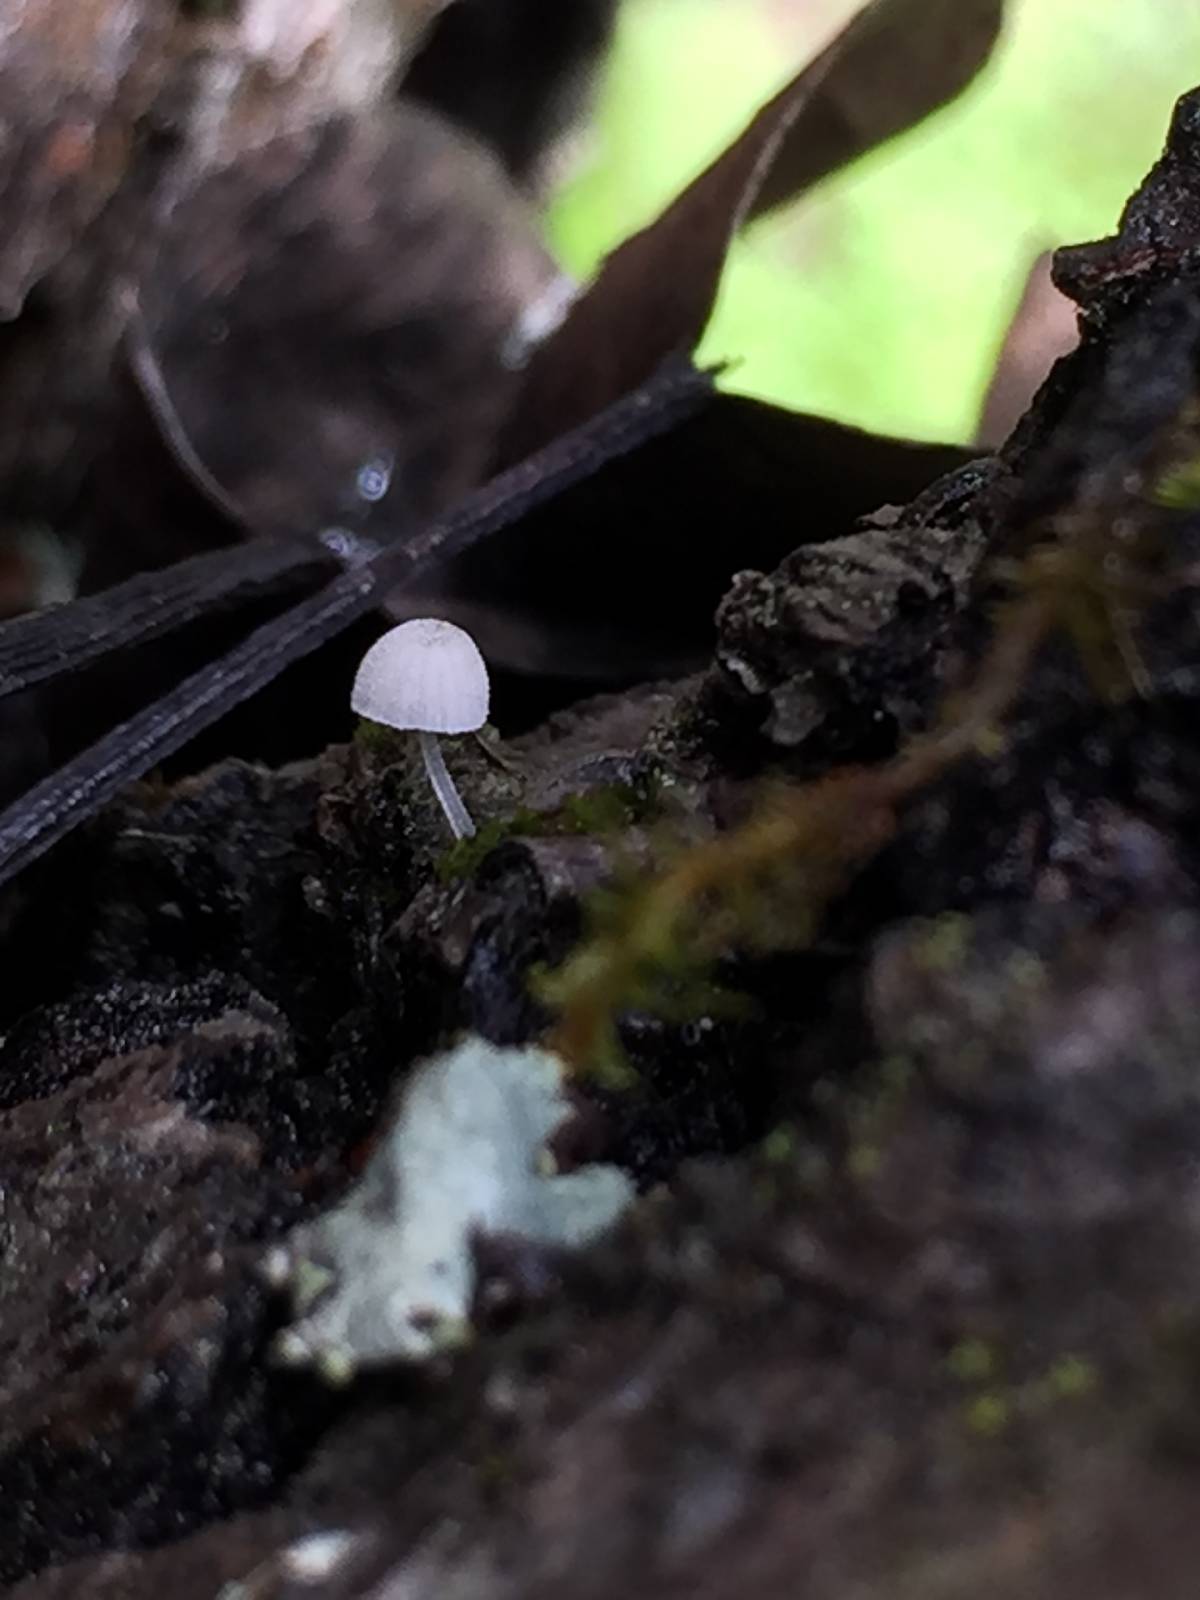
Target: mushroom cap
column 426, row 676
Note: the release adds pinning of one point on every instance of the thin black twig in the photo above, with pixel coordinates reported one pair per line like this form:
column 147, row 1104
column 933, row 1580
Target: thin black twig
column 61, row 639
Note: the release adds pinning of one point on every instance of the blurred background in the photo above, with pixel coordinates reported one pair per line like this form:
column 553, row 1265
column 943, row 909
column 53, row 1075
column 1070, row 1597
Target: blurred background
column 883, row 298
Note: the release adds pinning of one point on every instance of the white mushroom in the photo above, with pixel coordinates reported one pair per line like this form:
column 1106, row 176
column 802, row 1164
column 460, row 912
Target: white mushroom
column 426, row 677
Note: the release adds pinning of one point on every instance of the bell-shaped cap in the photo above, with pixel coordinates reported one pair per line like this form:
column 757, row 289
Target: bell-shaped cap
column 426, row 676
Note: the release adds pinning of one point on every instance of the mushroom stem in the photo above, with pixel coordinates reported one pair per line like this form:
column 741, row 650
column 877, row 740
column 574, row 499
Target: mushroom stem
column 448, row 796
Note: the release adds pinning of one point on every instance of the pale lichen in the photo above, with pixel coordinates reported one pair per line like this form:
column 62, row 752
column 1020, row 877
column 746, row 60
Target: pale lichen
column 389, row 1275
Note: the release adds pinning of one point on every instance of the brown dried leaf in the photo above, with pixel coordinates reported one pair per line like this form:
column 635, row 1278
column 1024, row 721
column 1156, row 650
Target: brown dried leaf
column 653, row 297
column 895, row 64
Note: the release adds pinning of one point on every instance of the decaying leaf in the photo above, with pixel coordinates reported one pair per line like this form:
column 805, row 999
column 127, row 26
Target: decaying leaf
column 897, row 60
column 389, row 1274
column 894, row 65
column 625, row 599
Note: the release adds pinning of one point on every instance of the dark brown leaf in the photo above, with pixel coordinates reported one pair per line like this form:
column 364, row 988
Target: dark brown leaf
column 894, row 65
column 653, row 297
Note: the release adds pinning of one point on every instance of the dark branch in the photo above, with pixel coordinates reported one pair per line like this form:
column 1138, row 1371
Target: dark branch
column 59, row 640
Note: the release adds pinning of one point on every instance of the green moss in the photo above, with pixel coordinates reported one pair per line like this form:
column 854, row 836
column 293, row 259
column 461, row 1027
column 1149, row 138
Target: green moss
column 1072, row 1377
column 992, row 1410
column 871, row 1112
column 1179, row 489
column 991, row 744
column 864, row 1161
column 779, row 1147
column 945, row 948
column 896, row 1072
column 594, row 813
column 972, row 1361
column 607, row 810
column 464, row 855
column 1025, row 971
column 989, row 1415
column 495, row 1470
column 386, row 744
column 814, row 1170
